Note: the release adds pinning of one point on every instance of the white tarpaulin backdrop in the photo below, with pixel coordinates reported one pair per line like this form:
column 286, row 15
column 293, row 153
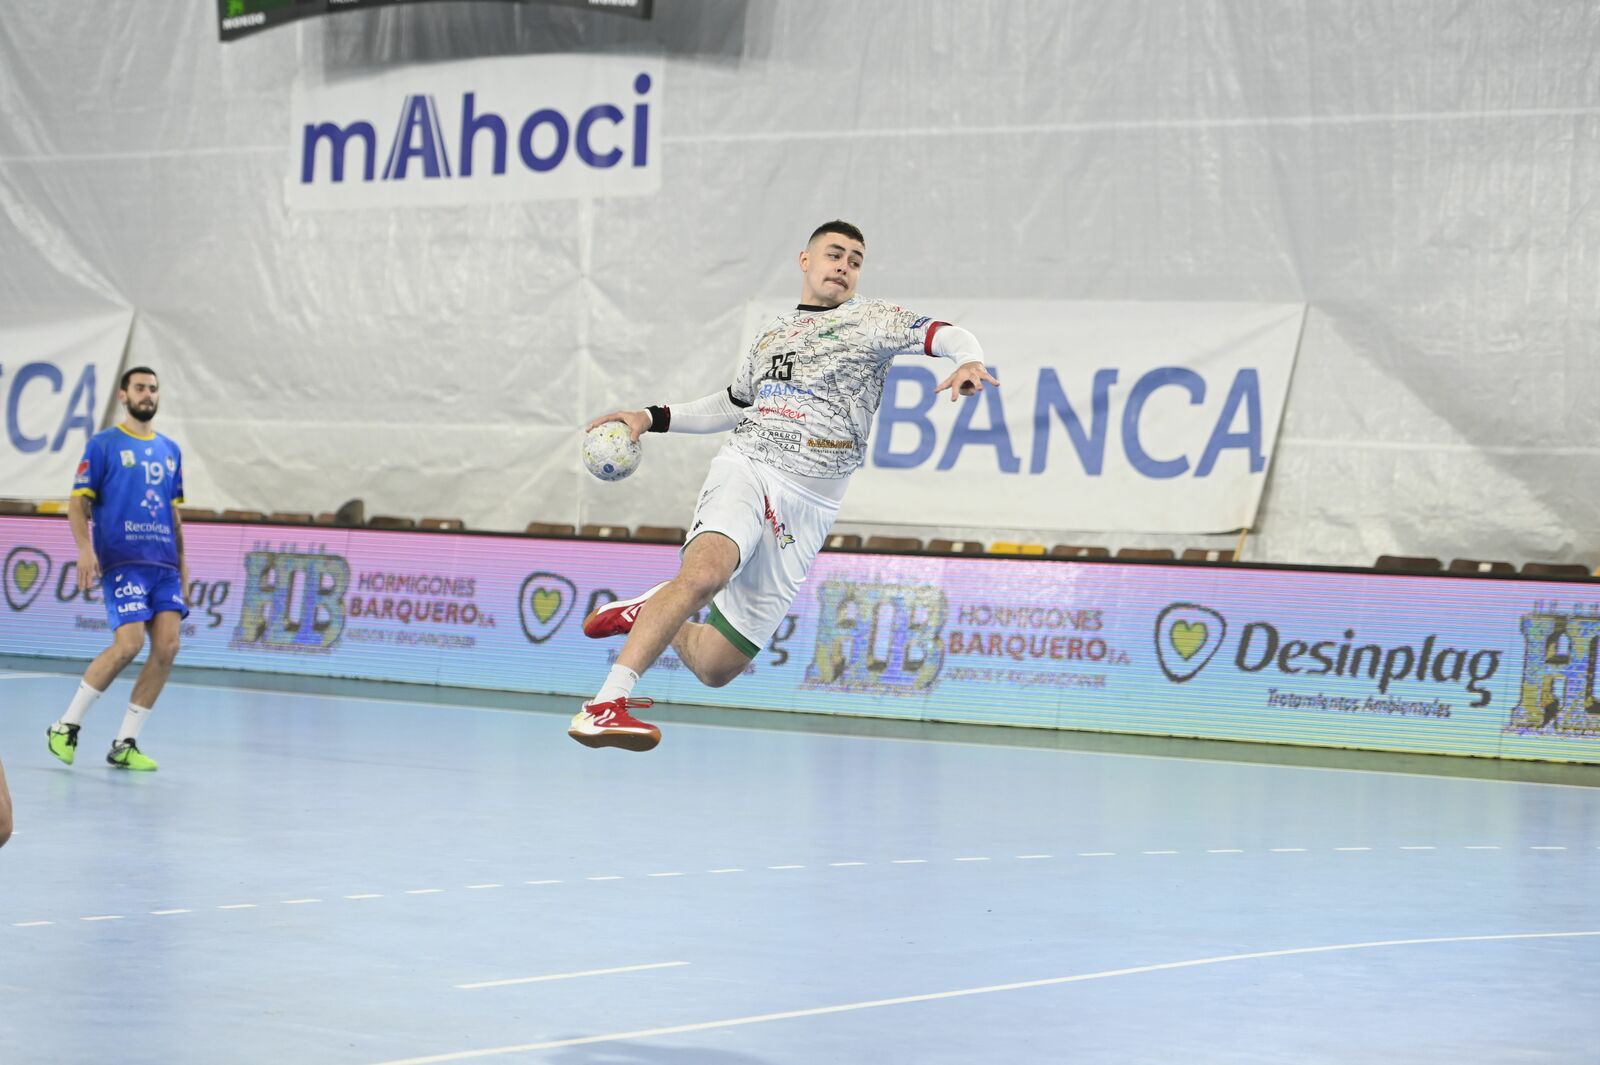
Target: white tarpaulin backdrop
column 1418, row 176
column 57, row 380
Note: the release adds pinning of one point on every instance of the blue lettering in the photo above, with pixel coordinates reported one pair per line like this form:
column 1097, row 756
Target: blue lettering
column 996, row 436
column 641, row 120
column 1051, row 398
column 1246, row 389
column 1176, row 376
column 891, row 414
column 585, row 151
column 418, row 118
column 471, row 125
column 557, row 122
column 338, row 138
column 28, row 444
column 85, row 418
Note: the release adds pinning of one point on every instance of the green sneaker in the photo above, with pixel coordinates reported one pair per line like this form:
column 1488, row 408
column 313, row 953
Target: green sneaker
column 125, row 754
column 63, row 741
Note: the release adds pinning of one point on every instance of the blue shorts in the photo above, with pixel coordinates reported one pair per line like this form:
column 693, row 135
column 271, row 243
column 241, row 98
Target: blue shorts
column 137, row 593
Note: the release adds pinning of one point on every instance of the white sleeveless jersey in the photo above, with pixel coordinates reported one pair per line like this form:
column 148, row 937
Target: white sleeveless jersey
column 811, row 384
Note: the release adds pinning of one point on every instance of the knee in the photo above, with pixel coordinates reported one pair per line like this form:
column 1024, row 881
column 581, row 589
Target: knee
column 723, row 677
column 164, row 650
column 701, row 584
column 124, row 651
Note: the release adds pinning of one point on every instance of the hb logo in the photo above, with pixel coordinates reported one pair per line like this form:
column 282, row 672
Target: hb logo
column 1187, row 638
column 879, row 637
column 27, row 569
column 1558, row 665
column 292, row 601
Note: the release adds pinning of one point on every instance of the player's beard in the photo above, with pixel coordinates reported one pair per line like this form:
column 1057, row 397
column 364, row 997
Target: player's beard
column 142, row 412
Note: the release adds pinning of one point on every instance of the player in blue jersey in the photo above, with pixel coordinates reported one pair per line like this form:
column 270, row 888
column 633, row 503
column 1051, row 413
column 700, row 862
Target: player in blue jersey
column 128, row 485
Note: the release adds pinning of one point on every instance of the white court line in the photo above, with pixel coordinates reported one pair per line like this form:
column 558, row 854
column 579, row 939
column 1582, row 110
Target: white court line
column 763, row 1018
column 1029, row 857
column 1158, row 852
column 1352, row 848
column 1419, row 847
column 30, row 924
column 28, row 676
column 724, row 870
column 1288, row 850
column 167, row 913
column 972, row 859
column 663, row 874
column 299, row 902
column 841, row 865
column 1481, row 847
column 1225, row 850
column 569, row 976
column 1547, row 848
column 603, row 878
column 541, row 881
column 482, row 887
column 909, row 861
column 1097, row 854
column 238, row 906
column 433, row 890
column 369, row 895
column 103, row 917
column 785, row 867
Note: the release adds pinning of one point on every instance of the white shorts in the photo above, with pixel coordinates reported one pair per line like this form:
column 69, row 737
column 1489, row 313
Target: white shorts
column 778, row 526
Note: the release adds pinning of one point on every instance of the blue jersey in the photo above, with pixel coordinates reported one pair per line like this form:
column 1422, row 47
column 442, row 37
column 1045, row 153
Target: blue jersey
column 133, row 481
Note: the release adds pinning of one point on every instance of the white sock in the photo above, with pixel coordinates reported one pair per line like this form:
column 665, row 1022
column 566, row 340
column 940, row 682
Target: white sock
column 132, row 722
column 619, row 684
column 81, row 701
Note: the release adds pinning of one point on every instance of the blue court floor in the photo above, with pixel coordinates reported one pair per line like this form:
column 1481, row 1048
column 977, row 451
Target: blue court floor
column 347, row 878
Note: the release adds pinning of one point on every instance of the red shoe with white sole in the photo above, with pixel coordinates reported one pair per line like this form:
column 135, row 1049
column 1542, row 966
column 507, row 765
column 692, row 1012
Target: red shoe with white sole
column 609, row 724
column 616, row 619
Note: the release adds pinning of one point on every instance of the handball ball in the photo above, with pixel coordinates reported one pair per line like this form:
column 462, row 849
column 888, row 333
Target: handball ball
column 610, row 452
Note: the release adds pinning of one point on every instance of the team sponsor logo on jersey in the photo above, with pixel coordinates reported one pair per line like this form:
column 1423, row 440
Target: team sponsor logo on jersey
column 172, row 464
column 128, row 459
column 83, row 470
column 833, row 445
column 779, row 529
column 920, row 322
column 784, row 412
column 782, row 438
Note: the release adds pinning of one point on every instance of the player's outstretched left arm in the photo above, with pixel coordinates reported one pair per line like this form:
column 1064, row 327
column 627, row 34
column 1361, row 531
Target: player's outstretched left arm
column 961, row 347
column 637, row 421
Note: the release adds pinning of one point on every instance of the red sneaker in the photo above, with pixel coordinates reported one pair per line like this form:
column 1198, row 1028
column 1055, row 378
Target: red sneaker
column 616, row 619
column 609, row 724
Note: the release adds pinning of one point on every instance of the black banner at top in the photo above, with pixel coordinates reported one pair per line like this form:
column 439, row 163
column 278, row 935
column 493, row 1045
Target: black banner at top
column 239, row 18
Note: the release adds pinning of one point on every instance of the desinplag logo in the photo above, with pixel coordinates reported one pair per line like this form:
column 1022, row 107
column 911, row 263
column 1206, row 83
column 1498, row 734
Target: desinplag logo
column 1188, row 636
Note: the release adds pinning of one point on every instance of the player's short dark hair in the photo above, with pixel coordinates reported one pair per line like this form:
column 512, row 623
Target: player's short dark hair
column 838, row 226
column 128, row 375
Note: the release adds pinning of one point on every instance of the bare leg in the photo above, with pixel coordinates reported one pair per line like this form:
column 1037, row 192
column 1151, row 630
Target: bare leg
column 5, row 809
column 708, row 565
column 164, row 629
column 126, row 643
column 708, row 654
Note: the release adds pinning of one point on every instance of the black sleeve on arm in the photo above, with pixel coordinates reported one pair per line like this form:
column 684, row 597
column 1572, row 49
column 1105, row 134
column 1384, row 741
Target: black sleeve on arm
column 735, row 400
column 660, row 419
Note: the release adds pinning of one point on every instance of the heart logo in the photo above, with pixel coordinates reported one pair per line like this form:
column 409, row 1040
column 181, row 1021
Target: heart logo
column 1187, row 637
column 27, row 571
column 546, row 601
column 544, row 604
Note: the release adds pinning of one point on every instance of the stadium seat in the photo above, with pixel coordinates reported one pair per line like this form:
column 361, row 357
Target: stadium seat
column 842, row 542
column 549, row 528
column 660, row 534
column 1151, row 554
column 326, row 518
column 1078, row 551
column 1473, row 565
column 1554, row 569
column 198, row 514
column 606, row 532
column 444, row 524
column 351, row 512
column 955, row 547
column 1006, row 547
column 15, row 506
column 243, row 515
column 1408, row 564
column 893, row 543
column 389, row 521
column 294, row 517
column 1206, row 554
